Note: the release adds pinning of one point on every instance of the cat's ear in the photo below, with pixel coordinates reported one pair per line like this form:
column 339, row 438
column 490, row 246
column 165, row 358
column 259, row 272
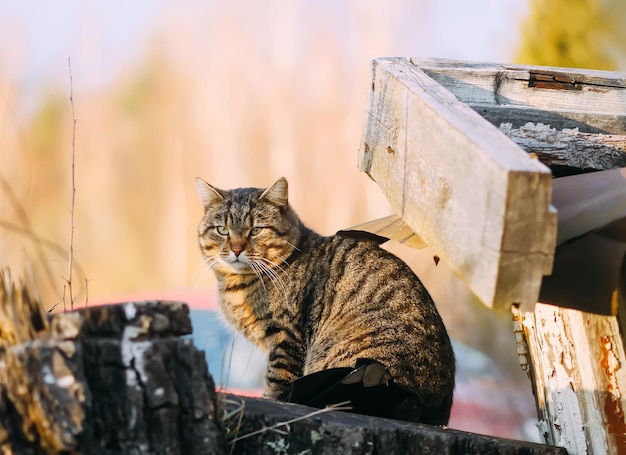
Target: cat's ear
column 277, row 193
column 208, row 193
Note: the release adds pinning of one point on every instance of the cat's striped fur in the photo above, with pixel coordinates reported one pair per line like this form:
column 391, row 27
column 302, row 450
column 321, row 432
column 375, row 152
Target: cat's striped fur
column 312, row 302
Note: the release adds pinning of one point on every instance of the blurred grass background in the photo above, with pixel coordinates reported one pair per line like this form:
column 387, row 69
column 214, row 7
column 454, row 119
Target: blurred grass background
column 238, row 93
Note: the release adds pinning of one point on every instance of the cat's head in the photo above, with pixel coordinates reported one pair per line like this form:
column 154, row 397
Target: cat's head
column 247, row 230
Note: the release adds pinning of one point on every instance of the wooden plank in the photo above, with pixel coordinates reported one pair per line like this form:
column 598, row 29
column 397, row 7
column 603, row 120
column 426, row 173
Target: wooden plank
column 466, row 190
column 589, row 201
column 591, row 100
column 577, row 367
column 393, row 228
column 496, row 84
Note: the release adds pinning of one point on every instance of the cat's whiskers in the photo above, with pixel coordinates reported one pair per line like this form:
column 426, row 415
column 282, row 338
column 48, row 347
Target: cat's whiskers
column 257, row 271
column 211, row 262
column 278, row 280
column 272, row 264
column 273, row 275
column 202, row 271
column 292, row 245
column 264, row 265
column 283, row 261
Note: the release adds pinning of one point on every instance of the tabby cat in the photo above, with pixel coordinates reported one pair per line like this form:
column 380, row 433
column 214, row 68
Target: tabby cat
column 312, row 303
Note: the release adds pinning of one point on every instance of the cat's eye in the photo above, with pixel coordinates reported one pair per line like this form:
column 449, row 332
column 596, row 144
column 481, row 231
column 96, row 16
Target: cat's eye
column 255, row 231
column 222, row 230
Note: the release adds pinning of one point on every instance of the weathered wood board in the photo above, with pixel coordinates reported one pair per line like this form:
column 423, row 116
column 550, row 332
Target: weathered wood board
column 590, row 100
column 577, row 368
column 479, row 201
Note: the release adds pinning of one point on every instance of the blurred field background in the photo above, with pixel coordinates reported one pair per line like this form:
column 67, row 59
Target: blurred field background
column 238, row 93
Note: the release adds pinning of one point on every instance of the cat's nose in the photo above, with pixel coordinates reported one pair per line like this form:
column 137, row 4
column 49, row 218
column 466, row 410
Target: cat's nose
column 237, row 246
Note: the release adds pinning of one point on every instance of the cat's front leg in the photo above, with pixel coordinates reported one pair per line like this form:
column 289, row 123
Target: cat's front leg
column 284, row 365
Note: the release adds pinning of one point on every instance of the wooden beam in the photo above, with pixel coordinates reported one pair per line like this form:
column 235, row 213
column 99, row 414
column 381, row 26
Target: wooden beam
column 588, row 202
column 472, row 195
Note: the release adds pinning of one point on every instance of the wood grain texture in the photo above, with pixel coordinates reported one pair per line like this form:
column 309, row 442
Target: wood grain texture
column 270, row 427
column 453, row 177
column 591, row 100
column 465, row 189
column 577, row 369
column 569, row 147
column 393, row 228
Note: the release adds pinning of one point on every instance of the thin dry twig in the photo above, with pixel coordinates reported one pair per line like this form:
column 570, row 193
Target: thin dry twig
column 68, row 280
column 86, row 292
column 231, row 420
column 343, row 406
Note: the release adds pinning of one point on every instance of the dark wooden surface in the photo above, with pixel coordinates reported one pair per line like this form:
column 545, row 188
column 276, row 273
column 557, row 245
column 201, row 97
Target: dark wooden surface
column 262, row 430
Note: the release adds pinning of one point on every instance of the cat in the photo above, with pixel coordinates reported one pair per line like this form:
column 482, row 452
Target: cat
column 312, row 302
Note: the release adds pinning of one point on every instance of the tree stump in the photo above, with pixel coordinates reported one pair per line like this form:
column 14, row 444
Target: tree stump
column 113, row 379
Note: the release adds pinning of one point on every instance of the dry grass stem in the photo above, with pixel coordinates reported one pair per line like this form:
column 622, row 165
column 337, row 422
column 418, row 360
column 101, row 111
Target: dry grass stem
column 26, row 228
column 231, row 420
column 343, row 406
column 71, row 252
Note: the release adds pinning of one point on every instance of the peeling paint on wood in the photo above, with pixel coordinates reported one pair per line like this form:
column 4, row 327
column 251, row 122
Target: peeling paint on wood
column 448, row 176
column 577, row 365
column 613, row 408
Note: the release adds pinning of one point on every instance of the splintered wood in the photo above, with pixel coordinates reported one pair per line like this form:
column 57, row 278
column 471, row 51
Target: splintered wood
column 22, row 317
column 37, row 378
column 569, row 147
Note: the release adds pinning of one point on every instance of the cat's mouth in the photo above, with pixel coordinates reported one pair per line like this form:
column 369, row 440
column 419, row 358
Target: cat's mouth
column 238, row 264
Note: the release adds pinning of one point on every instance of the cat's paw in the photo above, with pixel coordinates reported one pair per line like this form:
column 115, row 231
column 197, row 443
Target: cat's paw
column 370, row 374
